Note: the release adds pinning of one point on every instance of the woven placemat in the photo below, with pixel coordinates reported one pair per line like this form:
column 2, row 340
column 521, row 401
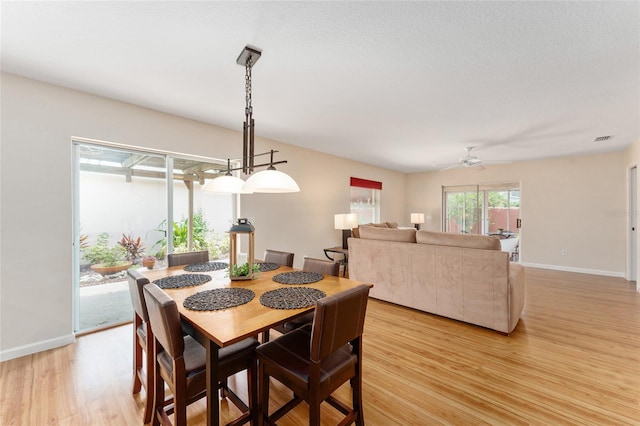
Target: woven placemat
column 267, row 266
column 291, row 297
column 298, row 277
column 184, row 280
column 206, row 267
column 218, row 298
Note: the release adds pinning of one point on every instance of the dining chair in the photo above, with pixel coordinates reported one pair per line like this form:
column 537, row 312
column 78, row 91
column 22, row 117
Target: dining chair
column 142, row 341
column 320, row 266
column 181, row 364
column 315, row 360
column 280, row 257
column 175, row 259
column 324, row 267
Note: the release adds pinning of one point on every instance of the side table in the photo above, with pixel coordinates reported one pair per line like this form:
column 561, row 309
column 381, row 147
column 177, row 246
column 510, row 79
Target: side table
column 345, row 257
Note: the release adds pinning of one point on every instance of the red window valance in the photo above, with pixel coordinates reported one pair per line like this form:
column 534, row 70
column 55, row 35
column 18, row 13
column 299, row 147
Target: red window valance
column 365, row 183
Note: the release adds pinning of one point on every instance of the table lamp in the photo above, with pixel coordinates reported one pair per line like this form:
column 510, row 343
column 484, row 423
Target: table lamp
column 346, row 222
column 417, row 219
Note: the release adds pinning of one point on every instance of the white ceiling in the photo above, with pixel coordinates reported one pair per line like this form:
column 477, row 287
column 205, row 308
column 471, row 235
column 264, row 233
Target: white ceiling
column 402, row 85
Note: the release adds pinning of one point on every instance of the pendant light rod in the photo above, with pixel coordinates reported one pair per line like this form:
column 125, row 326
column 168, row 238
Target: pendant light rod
column 247, row 58
column 270, row 164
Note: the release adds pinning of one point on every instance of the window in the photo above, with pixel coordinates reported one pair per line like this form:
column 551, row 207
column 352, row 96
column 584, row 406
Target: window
column 365, row 200
column 481, row 209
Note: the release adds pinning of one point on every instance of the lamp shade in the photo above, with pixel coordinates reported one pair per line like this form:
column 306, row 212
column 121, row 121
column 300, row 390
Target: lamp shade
column 345, row 221
column 271, row 181
column 225, row 184
column 417, row 218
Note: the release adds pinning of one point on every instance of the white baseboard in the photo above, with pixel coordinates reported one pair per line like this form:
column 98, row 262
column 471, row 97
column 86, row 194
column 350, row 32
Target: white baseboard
column 572, row 269
column 36, row 347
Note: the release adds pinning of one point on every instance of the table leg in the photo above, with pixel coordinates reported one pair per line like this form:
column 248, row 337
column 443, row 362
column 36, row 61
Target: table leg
column 213, row 407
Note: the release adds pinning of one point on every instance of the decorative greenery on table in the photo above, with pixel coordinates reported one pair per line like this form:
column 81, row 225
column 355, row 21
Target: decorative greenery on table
column 243, row 270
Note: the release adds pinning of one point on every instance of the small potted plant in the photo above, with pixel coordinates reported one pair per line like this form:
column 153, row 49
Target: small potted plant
column 241, row 272
column 148, row 262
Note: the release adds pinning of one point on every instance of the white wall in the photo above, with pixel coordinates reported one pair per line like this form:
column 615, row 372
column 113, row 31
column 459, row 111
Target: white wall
column 38, row 123
column 567, row 203
column 304, row 222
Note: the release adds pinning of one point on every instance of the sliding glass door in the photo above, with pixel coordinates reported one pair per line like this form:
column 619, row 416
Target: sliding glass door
column 482, row 209
column 123, row 205
column 464, row 213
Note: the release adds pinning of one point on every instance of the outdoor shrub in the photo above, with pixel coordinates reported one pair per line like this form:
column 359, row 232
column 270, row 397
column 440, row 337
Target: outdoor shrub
column 101, row 253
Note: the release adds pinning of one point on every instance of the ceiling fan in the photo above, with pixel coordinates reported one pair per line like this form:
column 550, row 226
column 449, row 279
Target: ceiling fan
column 468, row 161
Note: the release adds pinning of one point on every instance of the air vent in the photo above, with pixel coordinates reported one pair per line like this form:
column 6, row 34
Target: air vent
column 602, row 138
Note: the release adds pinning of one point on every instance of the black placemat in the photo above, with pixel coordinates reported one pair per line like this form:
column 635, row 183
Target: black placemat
column 291, row 297
column 267, row 266
column 183, row 280
column 298, row 277
column 218, row 298
column 206, row 267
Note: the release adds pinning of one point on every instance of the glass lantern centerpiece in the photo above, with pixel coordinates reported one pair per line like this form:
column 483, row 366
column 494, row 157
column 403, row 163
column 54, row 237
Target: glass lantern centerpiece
column 248, row 270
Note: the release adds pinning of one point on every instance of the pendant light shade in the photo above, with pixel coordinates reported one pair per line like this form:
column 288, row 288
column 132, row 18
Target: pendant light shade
column 226, row 185
column 271, row 181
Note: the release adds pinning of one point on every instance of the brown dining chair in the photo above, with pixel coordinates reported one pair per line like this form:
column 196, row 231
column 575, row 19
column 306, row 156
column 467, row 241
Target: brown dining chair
column 320, row 266
column 279, row 257
column 181, row 364
column 175, row 259
column 314, row 361
column 142, row 341
column 324, row 267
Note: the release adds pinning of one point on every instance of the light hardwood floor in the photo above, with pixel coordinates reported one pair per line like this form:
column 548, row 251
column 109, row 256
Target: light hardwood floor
column 573, row 359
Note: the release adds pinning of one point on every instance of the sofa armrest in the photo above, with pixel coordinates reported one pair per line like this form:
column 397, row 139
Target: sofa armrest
column 516, row 293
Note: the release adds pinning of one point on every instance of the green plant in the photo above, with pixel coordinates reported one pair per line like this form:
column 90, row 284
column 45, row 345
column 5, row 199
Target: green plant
column 181, row 235
column 101, row 253
column 133, row 247
column 243, row 270
column 218, row 246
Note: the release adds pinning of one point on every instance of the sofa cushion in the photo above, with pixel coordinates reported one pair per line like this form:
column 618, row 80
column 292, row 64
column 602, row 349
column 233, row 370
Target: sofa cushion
column 387, row 234
column 458, row 240
column 355, row 232
column 375, row 225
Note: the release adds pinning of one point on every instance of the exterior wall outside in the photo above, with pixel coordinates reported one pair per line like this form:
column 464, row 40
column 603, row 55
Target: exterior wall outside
column 39, row 122
column 100, row 194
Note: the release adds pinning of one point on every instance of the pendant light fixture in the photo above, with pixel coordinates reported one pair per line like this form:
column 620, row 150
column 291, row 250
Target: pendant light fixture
column 226, row 183
column 267, row 181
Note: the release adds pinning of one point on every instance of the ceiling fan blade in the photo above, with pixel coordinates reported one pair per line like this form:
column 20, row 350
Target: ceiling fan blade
column 450, row 166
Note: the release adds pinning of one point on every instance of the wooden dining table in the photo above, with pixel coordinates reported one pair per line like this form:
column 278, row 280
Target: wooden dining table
column 220, row 328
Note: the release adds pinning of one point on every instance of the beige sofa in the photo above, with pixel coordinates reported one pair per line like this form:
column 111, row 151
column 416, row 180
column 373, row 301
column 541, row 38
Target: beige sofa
column 464, row 277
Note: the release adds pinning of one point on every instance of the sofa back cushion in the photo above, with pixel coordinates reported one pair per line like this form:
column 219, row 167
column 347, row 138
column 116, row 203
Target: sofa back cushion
column 458, row 240
column 355, row 232
column 388, row 234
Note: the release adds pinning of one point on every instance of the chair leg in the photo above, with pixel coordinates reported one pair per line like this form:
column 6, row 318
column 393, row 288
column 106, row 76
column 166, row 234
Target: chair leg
column 137, row 355
column 158, row 400
column 150, row 384
column 314, row 411
column 356, row 391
